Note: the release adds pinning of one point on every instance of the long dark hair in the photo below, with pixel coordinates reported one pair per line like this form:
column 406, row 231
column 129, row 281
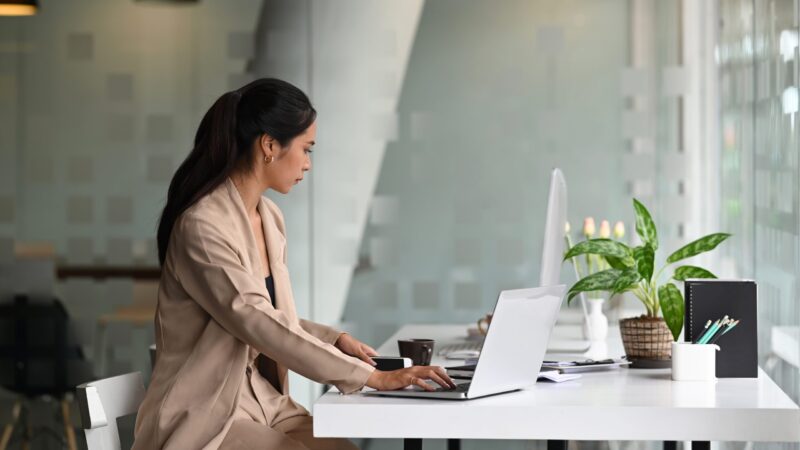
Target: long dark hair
column 224, row 142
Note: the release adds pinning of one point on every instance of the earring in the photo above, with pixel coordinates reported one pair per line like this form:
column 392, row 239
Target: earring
column 268, row 159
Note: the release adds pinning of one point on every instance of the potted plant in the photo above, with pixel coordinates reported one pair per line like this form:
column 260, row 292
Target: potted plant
column 647, row 339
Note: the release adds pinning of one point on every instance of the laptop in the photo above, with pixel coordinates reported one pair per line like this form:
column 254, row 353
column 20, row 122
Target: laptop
column 514, row 348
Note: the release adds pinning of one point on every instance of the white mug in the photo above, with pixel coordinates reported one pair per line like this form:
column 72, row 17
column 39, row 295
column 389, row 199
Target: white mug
column 694, row 362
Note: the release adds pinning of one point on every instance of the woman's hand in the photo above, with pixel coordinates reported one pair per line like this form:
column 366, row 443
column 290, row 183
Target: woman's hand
column 416, row 376
column 353, row 347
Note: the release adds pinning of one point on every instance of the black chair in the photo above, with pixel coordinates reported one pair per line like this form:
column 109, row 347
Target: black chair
column 40, row 359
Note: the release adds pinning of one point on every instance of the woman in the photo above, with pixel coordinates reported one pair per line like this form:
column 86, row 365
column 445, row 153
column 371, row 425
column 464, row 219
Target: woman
column 226, row 326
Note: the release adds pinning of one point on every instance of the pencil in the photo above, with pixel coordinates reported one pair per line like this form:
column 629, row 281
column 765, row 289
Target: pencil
column 708, row 333
column 722, row 329
column 703, row 331
column 730, row 327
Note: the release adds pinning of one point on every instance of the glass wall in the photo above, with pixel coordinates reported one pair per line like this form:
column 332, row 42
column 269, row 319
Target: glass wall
column 439, row 123
column 493, row 98
column 758, row 64
column 99, row 102
column 609, row 91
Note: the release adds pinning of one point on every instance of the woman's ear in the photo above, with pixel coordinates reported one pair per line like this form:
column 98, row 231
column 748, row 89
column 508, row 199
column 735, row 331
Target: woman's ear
column 266, row 144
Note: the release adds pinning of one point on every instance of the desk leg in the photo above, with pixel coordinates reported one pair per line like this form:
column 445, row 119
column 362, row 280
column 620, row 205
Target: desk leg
column 412, row 444
column 701, row 445
column 454, row 444
column 556, row 445
column 670, row 445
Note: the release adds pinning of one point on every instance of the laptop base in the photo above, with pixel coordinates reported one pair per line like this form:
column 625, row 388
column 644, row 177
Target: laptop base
column 431, row 395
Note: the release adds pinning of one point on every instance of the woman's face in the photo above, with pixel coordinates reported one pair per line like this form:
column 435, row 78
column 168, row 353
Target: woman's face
column 291, row 162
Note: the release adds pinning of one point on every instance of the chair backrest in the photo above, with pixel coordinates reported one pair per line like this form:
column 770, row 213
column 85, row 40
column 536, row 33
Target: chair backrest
column 34, row 362
column 102, row 402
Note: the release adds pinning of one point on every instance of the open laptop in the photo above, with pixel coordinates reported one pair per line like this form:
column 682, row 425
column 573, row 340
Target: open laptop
column 514, row 348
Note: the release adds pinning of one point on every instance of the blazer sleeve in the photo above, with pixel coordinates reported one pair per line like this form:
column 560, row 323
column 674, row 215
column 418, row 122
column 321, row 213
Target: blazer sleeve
column 322, row 332
column 211, row 273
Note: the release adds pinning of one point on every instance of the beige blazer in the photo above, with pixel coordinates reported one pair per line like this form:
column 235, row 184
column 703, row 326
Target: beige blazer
column 213, row 307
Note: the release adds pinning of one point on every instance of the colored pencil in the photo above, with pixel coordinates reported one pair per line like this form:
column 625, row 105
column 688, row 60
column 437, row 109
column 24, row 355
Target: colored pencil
column 722, row 327
column 729, row 328
column 708, row 323
column 709, row 332
column 712, row 332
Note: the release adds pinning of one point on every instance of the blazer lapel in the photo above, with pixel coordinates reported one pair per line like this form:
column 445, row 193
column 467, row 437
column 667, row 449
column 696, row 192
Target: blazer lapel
column 276, row 254
column 250, row 251
column 276, row 251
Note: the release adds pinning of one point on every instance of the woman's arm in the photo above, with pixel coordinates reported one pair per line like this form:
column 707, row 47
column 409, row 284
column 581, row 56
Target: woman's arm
column 322, row 332
column 210, row 271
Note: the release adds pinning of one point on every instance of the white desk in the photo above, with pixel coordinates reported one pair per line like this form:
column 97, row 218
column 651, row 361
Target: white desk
column 627, row 404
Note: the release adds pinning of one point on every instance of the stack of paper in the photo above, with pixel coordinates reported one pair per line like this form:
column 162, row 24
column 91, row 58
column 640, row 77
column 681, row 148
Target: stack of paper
column 585, row 365
column 556, row 376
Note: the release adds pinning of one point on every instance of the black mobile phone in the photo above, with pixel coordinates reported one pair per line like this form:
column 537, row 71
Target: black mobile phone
column 391, row 362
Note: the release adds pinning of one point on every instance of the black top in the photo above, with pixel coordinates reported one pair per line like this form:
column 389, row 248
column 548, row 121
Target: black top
column 271, row 367
column 271, row 288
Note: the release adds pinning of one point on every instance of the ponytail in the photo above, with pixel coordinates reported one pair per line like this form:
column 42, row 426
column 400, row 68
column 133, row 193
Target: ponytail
column 224, row 140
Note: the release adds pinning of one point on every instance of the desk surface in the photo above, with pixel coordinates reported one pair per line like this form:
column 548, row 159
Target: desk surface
column 625, row 404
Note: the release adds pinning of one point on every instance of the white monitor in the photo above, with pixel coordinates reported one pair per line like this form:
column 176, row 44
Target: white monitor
column 553, row 255
column 553, row 245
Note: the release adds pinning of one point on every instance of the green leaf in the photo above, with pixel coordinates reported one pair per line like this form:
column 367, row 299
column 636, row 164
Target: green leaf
column 671, row 301
column 645, row 227
column 644, row 255
column 684, row 272
column 626, row 279
column 603, row 247
column 615, row 263
column 600, row 281
column 701, row 245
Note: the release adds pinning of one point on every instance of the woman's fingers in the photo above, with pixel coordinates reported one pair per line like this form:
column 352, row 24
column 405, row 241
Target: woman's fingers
column 438, row 379
column 420, row 381
column 436, row 374
column 362, row 355
column 369, row 350
column 442, row 373
column 412, row 376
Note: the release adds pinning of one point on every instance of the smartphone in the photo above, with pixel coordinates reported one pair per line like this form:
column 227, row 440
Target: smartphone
column 391, row 362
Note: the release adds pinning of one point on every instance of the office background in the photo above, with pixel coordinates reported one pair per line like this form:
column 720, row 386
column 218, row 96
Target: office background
column 438, row 123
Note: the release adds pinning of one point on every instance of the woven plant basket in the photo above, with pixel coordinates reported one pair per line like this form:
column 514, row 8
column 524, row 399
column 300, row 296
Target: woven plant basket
column 646, row 338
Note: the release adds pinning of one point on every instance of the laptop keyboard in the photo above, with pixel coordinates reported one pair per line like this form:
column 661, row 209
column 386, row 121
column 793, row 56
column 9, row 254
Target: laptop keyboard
column 463, row 387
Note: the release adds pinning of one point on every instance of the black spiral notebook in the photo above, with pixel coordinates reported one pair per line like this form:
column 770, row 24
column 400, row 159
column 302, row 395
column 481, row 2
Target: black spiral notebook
column 711, row 299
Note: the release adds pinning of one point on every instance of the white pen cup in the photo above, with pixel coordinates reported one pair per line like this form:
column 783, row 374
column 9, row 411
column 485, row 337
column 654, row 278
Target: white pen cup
column 694, row 362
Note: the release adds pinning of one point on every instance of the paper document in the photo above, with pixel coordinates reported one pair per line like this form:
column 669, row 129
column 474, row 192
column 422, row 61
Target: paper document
column 556, row 376
column 585, row 365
